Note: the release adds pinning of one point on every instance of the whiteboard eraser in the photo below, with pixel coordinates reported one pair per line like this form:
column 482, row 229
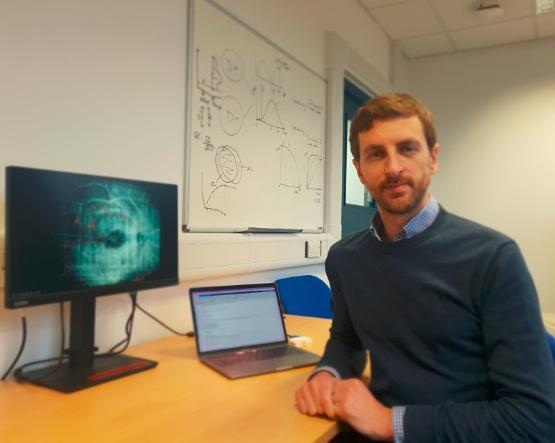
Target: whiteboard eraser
column 300, row 341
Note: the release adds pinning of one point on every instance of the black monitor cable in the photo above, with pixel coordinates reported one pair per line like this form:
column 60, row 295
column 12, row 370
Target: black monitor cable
column 21, row 347
column 60, row 359
column 128, row 330
column 161, row 323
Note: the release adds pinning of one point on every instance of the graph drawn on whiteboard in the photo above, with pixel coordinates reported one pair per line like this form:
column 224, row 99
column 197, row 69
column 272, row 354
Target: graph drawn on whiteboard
column 288, row 168
column 268, row 111
column 255, row 134
column 314, row 173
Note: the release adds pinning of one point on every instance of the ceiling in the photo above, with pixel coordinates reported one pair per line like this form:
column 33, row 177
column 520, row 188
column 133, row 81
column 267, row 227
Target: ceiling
column 430, row 27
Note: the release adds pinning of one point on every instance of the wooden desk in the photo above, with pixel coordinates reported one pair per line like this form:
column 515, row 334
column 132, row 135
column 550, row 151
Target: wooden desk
column 181, row 400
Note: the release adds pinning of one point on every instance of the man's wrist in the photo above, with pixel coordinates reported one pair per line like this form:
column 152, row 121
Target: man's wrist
column 328, row 369
column 387, row 433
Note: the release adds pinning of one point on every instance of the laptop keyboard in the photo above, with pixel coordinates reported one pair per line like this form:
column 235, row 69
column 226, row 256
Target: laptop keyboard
column 256, row 354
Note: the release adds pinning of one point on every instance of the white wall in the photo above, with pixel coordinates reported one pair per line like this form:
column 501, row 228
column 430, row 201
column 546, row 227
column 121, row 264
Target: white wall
column 98, row 87
column 495, row 115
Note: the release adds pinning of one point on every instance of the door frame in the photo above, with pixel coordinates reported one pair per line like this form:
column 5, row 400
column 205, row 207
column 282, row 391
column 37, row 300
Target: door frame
column 342, row 62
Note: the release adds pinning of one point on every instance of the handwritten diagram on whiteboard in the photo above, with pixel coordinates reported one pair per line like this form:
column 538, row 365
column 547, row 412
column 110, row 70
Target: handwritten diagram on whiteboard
column 255, row 154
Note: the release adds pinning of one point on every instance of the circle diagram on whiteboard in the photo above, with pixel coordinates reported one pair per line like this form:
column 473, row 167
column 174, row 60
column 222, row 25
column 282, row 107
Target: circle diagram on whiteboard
column 228, row 164
column 231, row 115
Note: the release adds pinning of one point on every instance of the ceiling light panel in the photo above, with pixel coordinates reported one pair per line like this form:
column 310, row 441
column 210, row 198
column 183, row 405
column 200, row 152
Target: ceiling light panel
column 407, row 19
column 544, row 6
column 370, row 4
column 460, row 14
column 546, row 25
column 427, row 45
column 494, row 34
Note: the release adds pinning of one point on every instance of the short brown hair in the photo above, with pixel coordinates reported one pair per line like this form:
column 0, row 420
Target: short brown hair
column 387, row 107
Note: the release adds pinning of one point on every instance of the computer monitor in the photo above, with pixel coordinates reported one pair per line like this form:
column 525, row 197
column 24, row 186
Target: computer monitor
column 73, row 237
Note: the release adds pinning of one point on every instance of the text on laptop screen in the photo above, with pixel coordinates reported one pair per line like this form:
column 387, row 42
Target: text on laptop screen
column 234, row 318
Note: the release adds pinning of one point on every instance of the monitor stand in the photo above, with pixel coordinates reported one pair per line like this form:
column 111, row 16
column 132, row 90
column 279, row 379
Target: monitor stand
column 84, row 369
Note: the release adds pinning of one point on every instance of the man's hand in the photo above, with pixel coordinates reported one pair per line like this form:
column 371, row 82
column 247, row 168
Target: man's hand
column 355, row 404
column 314, row 396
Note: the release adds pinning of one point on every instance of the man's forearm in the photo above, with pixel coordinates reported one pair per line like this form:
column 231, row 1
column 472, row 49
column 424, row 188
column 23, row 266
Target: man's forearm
column 346, row 359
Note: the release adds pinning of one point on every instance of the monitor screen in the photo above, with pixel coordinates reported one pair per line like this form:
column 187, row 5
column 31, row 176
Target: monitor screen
column 72, row 235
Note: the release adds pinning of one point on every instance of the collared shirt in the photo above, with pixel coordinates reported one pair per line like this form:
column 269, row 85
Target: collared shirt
column 418, row 224
column 415, row 226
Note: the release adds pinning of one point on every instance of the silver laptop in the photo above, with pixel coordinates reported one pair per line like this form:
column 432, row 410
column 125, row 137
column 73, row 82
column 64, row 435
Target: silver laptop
column 239, row 331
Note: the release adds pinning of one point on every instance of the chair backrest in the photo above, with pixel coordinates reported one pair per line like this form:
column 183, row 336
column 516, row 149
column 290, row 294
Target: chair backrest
column 305, row 295
column 551, row 343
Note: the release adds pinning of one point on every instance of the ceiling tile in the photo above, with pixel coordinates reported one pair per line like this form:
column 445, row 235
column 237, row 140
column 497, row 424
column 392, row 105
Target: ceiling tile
column 457, row 14
column 427, row 45
column 408, row 19
column 495, row 34
column 546, row 25
column 369, row 4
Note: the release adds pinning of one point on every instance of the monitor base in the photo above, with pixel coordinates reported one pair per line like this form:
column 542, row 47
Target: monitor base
column 67, row 379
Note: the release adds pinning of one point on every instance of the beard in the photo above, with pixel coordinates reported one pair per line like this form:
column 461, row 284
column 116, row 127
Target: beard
column 403, row 202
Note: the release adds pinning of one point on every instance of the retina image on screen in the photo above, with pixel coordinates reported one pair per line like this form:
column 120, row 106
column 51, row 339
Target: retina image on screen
column 74, row 237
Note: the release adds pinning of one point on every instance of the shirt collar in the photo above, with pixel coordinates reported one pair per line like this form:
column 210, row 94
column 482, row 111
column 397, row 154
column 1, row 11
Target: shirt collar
column 418, row 224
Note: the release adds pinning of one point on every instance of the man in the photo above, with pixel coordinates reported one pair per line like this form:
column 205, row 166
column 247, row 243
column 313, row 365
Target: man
column 446, row 308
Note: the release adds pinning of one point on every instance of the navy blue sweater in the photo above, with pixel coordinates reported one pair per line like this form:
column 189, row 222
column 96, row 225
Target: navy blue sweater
column 452, row 323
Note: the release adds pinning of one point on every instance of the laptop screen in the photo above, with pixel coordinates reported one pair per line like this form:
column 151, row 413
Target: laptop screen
column 235, row 317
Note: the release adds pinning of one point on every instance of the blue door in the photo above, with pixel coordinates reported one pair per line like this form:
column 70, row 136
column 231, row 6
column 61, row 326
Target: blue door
column 358, row 206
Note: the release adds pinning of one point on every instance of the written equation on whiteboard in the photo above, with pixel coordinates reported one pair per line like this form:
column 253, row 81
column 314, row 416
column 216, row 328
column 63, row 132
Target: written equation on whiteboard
column 257, row 133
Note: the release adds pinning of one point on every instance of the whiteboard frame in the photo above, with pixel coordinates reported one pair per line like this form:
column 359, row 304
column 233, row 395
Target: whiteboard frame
column 188, row 122
column 188, row 111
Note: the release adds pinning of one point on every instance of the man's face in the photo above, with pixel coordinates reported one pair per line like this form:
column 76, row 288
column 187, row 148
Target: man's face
column 395, row 164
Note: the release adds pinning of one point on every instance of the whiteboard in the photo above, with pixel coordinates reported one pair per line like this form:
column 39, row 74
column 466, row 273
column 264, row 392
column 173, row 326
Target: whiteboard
column 255, row 131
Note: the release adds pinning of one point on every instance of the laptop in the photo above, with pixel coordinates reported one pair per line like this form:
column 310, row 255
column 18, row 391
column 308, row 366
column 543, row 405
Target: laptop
column 239, row 331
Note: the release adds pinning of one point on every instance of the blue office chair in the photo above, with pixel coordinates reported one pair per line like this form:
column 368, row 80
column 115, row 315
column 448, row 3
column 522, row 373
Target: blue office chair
column 551, row 343
column 305, row 295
